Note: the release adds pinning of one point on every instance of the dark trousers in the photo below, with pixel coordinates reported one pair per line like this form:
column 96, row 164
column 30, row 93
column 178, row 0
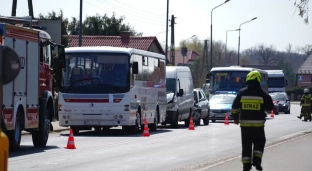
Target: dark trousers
column 253, row 142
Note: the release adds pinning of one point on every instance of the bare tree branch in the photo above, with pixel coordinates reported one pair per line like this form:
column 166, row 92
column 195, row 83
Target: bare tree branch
column 303, row 7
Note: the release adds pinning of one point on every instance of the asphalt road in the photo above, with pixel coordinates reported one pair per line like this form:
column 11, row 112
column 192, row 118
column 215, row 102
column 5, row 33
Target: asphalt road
column 166, row 149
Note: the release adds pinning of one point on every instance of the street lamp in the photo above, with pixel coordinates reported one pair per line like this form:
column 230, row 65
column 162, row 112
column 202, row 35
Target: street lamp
column 239, row 38
column 211, row 32
column 226, row 46
column 184, row 49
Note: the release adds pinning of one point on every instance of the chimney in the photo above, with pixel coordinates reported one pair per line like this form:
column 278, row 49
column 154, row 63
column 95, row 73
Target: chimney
column 125, row 34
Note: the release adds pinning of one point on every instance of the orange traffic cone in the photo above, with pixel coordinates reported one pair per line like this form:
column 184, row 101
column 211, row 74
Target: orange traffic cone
column 145, row 132
column 226, row 121
column 272, row 114
column 71, row 142
column 191, row 126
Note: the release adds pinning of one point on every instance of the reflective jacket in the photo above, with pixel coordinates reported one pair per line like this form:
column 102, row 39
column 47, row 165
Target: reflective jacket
column 250, row 105
column 306, row 100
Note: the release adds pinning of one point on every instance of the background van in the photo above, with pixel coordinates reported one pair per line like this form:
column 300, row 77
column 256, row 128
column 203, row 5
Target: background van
column 180, row 97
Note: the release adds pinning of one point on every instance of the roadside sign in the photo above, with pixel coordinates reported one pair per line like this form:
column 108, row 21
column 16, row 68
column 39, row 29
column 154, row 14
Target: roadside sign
column 300, row 78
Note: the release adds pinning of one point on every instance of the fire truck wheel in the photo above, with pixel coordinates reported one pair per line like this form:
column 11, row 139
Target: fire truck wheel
column 15, row 135
column 40, row 137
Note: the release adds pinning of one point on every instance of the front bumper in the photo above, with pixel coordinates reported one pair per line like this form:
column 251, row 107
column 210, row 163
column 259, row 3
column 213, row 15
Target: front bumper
column 282, row 108
column 220, row 116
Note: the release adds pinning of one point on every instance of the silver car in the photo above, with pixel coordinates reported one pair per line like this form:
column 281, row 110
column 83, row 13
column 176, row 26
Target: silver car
column 220, row 105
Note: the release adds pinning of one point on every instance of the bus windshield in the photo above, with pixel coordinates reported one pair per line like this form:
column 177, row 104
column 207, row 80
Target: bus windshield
column 228, row 80
column 276, row 82
column 94, row 73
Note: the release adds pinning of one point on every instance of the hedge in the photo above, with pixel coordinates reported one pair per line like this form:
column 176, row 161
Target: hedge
column 296, row 91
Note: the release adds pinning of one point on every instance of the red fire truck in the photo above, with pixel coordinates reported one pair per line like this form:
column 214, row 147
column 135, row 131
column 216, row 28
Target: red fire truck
column 28, row 103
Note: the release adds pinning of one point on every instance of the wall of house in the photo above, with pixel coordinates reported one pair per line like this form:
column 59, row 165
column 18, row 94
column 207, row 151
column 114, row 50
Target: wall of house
column 154, row 48
column 304, row 80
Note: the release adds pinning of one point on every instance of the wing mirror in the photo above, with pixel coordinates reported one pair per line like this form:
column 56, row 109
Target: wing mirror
column 180, row 93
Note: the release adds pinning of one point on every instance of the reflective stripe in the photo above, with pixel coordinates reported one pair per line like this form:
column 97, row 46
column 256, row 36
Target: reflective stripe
column 305, row 104
column 246, row 160
column 252, row 124
column 252, row 121
column 252, row 97
column 234, row 111
column 251, row 101
column 257, row 153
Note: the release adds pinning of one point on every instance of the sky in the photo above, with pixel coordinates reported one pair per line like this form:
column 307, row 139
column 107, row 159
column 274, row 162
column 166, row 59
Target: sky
column 277, row 21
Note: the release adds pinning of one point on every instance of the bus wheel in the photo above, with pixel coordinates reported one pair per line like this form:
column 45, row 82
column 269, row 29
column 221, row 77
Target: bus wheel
column 153, row 126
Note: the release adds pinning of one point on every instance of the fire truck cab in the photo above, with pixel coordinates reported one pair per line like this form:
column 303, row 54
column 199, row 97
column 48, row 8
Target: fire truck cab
column 28, row 103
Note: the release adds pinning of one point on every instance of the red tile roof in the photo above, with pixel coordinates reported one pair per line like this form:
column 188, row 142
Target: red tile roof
column 191, row 55
column 142, row 43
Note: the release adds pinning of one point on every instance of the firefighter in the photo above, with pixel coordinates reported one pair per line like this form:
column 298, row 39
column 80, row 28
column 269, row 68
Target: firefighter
column 248, row 110
column 305, row 102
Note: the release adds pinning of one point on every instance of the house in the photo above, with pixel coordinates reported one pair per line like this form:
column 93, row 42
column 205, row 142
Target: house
column 124, row 40
column 188, row 59
column 304, row 74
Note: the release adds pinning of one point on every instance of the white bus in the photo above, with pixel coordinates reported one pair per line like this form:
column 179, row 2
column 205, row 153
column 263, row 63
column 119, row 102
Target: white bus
column 228, row 80
column 276, row 81
column 107, row 87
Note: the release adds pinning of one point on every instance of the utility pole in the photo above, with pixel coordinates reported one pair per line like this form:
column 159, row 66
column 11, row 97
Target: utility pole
column 172, row 50
column 80, row 24
column 167, row 19
column 30, row 8
column 206, row 54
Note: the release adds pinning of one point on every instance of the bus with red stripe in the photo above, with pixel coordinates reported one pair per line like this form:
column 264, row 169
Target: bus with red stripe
column 106, row 87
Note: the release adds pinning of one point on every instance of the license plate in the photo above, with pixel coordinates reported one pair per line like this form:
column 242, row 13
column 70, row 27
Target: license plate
column 220, row 115
column 91, row 122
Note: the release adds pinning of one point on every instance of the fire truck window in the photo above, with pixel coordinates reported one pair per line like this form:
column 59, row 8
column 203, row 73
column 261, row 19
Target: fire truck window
column 47, row 55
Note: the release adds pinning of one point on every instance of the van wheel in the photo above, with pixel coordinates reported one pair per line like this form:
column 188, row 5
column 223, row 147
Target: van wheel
column 40, row 137
column 175, row 121
column 187, row 121
column 15, row 135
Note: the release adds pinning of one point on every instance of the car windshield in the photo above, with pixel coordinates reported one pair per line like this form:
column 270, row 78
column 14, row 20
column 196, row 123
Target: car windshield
column 280, row 97
column 222, row 99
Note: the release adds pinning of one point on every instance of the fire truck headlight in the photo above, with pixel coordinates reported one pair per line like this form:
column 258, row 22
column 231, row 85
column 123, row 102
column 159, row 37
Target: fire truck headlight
column 116, row 116
column 64, row 116
column 68, row 117
column 120, row 116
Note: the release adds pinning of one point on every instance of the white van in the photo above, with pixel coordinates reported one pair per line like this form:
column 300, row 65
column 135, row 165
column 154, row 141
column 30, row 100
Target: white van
column 180, row 97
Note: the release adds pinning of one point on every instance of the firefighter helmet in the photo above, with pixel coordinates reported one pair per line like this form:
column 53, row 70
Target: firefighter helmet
column 254, row 75
column 305, row 90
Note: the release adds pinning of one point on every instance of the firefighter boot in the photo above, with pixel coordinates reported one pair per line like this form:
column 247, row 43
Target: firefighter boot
column 247, row 167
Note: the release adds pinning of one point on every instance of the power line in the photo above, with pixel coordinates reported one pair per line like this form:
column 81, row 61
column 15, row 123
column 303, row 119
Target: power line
column 160, row 32
column 120, row 15
column 135, row 12
column 138, row 9
column 130, row 13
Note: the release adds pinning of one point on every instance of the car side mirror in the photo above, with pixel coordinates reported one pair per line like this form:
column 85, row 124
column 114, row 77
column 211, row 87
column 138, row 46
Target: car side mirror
column 135, row 67
column 180, row 93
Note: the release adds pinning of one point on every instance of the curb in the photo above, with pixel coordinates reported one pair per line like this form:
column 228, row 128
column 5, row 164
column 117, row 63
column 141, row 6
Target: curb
column 206, row 164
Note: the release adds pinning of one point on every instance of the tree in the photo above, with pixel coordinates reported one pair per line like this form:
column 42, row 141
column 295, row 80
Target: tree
column 267, row 55
column 303, row 7
column 288, row 71
column 245, row 60
column 64, row 23
column 101, row 25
